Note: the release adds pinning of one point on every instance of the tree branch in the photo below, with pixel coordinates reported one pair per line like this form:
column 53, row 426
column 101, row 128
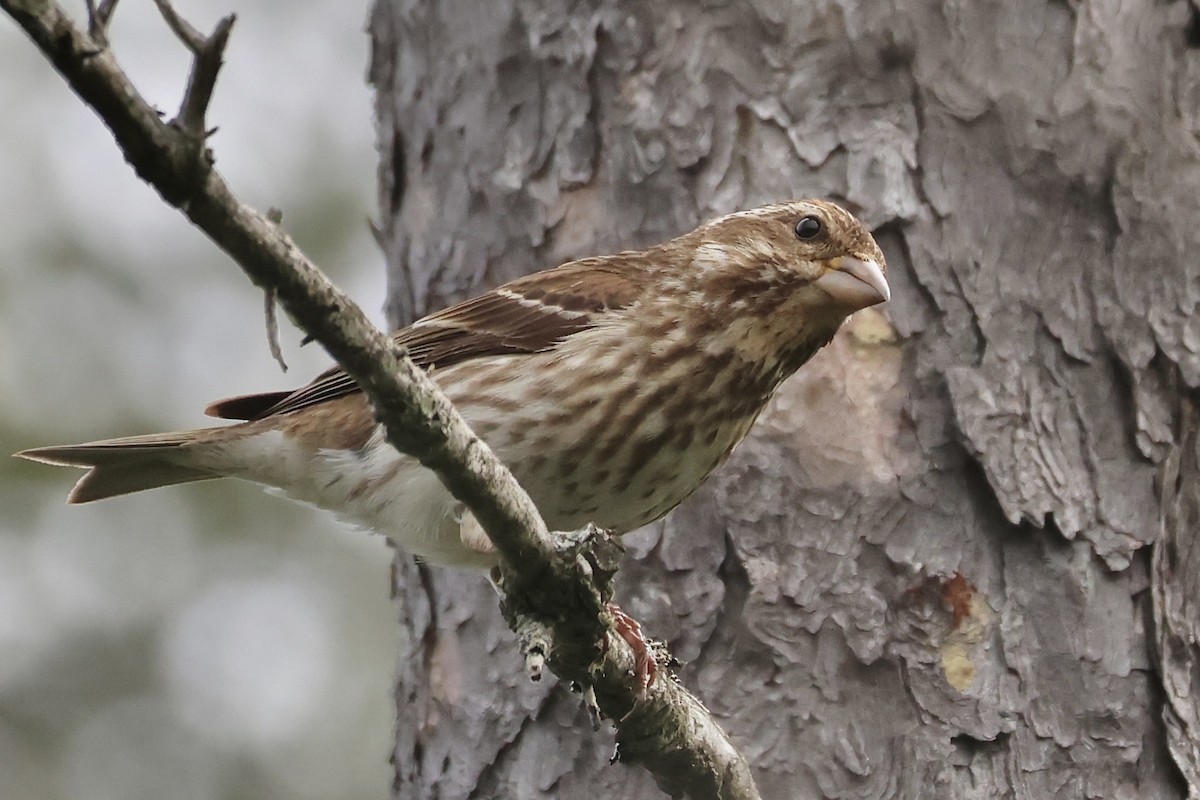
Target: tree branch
column 548, row 582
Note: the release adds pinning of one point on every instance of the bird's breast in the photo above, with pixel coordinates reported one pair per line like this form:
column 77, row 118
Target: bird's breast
column 612, row 435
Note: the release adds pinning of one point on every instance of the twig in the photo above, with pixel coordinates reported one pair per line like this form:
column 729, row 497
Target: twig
column 99, row 18
column 272, row 320
column 206, row 63
column 184, row 30
column 552, row 582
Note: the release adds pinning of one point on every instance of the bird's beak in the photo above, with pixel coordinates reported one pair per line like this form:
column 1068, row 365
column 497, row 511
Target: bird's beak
column 854, row 282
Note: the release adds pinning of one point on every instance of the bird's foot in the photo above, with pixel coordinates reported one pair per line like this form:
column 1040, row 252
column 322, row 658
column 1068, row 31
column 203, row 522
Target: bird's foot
column 645, row 661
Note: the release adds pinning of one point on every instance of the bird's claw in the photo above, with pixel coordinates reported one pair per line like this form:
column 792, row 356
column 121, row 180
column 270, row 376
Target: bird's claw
column 645, row 662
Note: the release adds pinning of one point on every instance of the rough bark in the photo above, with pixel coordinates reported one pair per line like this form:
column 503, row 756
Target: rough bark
column 956, row 556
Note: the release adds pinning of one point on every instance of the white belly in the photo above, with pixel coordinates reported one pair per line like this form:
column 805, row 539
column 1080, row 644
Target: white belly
column 378, row 489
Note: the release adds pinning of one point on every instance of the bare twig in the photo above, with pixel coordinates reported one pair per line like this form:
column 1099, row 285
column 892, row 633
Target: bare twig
column 99, row 18
column 272, row 321
column 550, row 580
column 269, row 305
column 206, row 63
column 184, row 30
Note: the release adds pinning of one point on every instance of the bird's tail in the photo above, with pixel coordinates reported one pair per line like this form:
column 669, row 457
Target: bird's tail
column 130, row 464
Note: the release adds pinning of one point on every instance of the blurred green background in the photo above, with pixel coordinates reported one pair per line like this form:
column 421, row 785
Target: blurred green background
column 196, row 642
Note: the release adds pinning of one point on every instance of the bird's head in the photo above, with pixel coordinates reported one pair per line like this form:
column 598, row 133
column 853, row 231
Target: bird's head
column 810, row 244
column 781, row 279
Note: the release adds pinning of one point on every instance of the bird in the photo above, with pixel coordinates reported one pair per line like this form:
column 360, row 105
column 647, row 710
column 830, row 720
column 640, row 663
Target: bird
column 610, row 386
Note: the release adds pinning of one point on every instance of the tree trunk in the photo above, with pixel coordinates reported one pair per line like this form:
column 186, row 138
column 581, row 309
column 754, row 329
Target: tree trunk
column 956, row 557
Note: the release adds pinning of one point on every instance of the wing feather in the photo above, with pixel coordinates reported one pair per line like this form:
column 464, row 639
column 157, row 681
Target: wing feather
column 528, row 315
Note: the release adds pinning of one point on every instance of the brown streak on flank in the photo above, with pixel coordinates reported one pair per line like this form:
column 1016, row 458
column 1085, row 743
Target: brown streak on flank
column 575, row 454
column 569, row 410
column 372, row 484
column 636, row 413
column 613, row 410
column 588, row 403
column 685, row 433
column 717, row 364
column 496, row 402
column 344, row 423
column 747, row 390
column 653, row 364
column 519, row 429
column 533, row 465
column 640, row 456
column 730, row 414
column 655, row 329
column 387, row 477
column 739, row 386
column 591, row 378
column 703, row 325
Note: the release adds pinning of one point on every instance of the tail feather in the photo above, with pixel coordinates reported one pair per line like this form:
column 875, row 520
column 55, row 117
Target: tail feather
column 122, row 466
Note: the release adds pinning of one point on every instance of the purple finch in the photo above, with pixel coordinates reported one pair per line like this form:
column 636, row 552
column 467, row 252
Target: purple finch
column 611, row 386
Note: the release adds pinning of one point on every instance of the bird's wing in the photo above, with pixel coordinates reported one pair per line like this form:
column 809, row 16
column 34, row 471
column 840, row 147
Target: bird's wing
column 528, row 315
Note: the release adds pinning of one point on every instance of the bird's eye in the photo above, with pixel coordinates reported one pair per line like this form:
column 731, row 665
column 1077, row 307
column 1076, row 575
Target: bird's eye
column 809, row 227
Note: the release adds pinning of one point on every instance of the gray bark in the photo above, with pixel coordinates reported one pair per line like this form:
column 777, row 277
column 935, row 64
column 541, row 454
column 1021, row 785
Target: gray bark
column 956, row 557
